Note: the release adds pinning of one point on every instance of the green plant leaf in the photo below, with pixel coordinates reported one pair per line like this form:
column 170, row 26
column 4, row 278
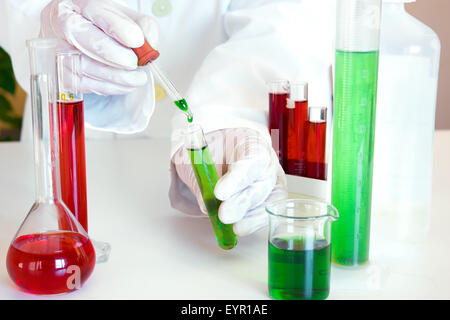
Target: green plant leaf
column 5, row 106
column 7, row 79
column 5, row 116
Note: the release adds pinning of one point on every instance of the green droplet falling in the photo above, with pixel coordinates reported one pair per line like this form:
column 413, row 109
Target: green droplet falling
column 183, row 106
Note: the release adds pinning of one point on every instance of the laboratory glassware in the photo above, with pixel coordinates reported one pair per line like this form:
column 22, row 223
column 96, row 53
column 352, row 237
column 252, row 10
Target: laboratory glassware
column 207, row 177
column 403, row 156
column 278, row 95
column 71, row 135
column 316, row 133
column 294, row 129
column 357, row 50
column 299, row 249
column 70, row 115
column 146, row 57
column 51, row 252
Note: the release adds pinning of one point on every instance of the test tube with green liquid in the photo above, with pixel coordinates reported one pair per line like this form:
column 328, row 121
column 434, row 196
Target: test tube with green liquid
column 207, row 177
column 357, row 45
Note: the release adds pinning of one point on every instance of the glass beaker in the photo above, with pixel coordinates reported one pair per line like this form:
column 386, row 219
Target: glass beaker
column 207, row 177
column 357, row 50
column 300, row 249
column 51, row 252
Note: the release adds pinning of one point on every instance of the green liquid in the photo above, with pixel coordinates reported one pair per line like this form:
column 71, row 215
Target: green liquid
column 206, row 175
column 296, row 273
column 354, row 130
column 183, row 106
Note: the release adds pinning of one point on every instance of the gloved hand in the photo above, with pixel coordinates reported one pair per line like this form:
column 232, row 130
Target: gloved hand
column 104, row 31
column 250, row 175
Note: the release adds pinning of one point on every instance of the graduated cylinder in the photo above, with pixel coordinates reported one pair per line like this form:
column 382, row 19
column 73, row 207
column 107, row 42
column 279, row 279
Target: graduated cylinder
column 357, row 47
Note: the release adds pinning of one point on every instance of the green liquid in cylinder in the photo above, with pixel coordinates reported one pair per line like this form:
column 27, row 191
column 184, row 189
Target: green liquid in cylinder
column 298, row 273
column 206, row 175
column 354, row 130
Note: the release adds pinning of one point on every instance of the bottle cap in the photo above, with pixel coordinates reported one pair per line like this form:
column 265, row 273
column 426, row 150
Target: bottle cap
column 145, row 54
column 317, row 114
column 299, row 91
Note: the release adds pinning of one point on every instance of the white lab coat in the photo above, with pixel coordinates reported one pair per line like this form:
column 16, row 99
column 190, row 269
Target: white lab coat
column 219, row 52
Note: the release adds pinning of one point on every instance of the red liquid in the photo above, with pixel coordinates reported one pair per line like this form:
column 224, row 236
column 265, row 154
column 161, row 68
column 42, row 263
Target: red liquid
column 316, row 167
column 73, row 159
column 277, row 105
column 294, row 136
column 50, row 263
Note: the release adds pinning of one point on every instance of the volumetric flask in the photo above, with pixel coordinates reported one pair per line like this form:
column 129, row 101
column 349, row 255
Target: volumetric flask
column 300, row 249
column 278, row 95
column 51, row 252
column 207, row 177
column 357, row 47
column 72, row 161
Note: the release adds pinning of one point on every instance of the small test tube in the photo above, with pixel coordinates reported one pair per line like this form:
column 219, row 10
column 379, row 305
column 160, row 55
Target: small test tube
column 294, row 130
column 70, row 112
column 207, row 177
column 316, row 167
column 279, row 91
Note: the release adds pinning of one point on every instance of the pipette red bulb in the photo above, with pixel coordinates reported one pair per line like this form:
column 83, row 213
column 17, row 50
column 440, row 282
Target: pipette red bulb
column 145, row 54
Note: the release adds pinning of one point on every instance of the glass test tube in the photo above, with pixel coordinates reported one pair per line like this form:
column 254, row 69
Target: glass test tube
column 207, row 177
column 71, row 140
column 316, row 167
column 294, row 129
column 278, row 95
column 70, row 114
column 357, row 51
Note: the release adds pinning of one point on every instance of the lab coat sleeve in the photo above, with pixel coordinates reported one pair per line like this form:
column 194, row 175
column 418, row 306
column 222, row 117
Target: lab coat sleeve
column 126, row 114
column 282, row 39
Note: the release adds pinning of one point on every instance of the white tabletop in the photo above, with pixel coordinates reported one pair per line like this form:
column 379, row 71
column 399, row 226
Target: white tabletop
column 157, row 253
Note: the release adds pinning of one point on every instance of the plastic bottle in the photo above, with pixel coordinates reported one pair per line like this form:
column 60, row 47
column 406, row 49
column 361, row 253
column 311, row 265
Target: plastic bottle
column 407, row 88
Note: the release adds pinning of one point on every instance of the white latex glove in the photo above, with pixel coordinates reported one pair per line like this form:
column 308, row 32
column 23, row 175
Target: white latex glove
column 250, row 175
column 104, row 31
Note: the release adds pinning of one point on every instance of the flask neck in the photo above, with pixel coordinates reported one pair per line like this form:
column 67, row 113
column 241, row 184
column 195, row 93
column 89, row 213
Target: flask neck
column 46, row 155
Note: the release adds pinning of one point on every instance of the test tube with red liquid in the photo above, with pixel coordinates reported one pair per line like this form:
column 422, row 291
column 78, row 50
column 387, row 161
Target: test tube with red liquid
column 278, row 95
column 70, row 114
column 316, row 166
column 294, row 130
column 72, row 161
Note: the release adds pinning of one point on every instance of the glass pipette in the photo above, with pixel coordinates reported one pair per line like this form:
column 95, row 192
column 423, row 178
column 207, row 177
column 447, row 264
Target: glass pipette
column 146, row 56
column 177, row 98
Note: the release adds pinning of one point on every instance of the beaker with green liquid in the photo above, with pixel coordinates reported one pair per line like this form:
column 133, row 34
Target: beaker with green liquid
column 300, row 249
column 357, row 47
column 207, row 177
